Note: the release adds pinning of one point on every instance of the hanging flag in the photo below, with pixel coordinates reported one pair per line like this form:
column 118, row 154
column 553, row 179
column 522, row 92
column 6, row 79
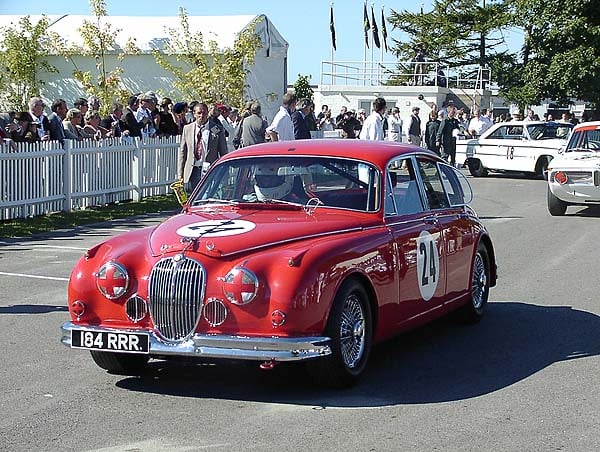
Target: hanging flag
column 375, row 31
column 332, row 28
column 383, row 30
column 367, row 25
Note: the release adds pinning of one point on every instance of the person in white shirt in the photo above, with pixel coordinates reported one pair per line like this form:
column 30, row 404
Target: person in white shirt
column 224, row 118
column 395, row 126
column 372, row 128
column 478, row 124
column 282, row 127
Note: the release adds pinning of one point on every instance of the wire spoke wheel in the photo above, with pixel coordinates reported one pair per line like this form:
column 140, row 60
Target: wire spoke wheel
column 479, row 282
column 352, row 331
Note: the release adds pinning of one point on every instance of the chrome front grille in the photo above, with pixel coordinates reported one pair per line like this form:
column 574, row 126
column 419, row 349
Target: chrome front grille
column 175, row 293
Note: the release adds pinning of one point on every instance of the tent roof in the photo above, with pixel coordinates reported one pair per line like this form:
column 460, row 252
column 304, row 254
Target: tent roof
column 151, row 32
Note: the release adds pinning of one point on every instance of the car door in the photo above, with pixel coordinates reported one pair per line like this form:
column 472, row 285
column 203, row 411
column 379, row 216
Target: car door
column 499, row 146
column 456, row 222
column 418, row 242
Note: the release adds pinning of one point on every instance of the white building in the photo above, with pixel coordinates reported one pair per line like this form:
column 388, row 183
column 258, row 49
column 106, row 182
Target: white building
column 266, row 80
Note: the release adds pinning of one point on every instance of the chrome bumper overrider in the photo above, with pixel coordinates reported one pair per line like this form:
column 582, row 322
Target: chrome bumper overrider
column 223, row 346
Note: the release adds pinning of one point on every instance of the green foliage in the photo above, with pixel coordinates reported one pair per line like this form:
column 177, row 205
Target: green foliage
column 302, row 87
column 456, row 32
column 204, row 71
column 99, row 41
column 561, row 52
column 22, row 52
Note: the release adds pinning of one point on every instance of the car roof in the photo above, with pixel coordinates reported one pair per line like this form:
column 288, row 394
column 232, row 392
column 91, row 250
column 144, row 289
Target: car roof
column 592, row 125
column 377, row 152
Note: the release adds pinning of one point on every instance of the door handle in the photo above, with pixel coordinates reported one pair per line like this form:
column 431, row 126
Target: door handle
column 430, row 220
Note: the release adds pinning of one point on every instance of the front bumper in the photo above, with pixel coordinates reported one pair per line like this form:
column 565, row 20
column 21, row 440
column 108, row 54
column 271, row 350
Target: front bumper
column 225, row 346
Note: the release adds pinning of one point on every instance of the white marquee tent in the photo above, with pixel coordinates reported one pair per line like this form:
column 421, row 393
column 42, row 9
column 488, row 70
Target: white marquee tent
column 266, row 81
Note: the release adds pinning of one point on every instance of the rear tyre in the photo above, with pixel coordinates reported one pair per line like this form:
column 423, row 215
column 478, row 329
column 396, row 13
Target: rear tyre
column 121, row 363
column 480, row 287
column 350, row 329
column 556, row 207
column 476, row 168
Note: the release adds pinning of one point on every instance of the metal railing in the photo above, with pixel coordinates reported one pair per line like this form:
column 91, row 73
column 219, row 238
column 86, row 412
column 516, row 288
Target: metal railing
column 407, row 73
column 44, row 177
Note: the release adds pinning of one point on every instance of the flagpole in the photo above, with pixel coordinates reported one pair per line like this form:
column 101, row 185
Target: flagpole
column 372, row 45
column 365, row 18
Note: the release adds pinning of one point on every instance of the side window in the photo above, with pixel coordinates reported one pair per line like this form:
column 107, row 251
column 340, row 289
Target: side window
column 499, row 133
column 432, row 182
column 402, row 197
column 456, row 186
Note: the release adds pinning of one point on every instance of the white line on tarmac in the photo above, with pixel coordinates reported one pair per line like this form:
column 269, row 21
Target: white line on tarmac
column 53, row 278
column 76, row 248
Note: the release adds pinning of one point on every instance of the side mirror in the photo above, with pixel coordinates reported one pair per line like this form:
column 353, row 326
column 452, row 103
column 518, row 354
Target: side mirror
column 420, row 97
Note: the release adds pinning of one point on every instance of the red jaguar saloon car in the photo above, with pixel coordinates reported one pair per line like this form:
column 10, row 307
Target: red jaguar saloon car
column 310, row 251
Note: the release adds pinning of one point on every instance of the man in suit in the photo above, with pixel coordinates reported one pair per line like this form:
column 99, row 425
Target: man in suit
column 301, row 130
column 132, row 124
column 202, row 143
column 253, row 126
column 446, row 136
column 113, row 121
column 55, row 121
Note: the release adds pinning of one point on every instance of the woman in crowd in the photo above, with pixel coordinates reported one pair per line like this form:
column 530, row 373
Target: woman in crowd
column 92, row 126
column 23, row 129
column 71, row 123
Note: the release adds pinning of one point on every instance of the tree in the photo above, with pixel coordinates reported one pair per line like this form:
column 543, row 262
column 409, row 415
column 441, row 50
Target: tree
column 560, row 58
column 99, row 41
column 203, row 70
column 455, row 32
column 302, row 87
column 22, row 53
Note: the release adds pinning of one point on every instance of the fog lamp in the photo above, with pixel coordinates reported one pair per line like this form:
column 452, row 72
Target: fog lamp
column 561, row 177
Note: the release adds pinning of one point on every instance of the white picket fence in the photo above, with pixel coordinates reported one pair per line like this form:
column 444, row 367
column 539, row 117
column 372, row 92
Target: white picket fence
column 44, row 177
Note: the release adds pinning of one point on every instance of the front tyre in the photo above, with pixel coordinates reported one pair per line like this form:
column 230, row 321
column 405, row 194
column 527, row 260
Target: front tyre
column 480, row 287
column 121, row 363
column 556, row 207
column 350, row 328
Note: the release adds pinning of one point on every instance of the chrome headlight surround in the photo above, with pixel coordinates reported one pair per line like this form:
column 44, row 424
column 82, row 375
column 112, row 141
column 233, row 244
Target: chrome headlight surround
column 240, row 286
column 112, row 280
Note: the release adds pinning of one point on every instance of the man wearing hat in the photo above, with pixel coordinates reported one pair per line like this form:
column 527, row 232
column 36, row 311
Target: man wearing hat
column 143, row 115
column 414, row 127
column 301, row 131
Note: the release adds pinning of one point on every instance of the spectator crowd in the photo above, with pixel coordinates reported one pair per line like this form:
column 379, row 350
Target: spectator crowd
column 209, row 132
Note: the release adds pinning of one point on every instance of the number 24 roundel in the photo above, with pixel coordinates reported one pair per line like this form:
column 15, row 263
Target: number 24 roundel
column 428, row 265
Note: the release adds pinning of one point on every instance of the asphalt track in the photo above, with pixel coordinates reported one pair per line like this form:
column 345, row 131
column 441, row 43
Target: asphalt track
column 524, row 379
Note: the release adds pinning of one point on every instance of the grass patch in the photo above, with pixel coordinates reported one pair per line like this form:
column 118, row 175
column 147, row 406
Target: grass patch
column 24, row 227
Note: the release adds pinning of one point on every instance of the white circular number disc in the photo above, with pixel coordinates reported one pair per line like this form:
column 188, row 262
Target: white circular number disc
column 428, row 265
column 216, row 228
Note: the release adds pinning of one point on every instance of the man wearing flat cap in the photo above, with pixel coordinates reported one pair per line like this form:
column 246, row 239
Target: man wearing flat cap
column 414, row 127
column 301, row 130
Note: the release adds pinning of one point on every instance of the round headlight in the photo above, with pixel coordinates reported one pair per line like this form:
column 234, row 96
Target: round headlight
column 112, row 280
column 240, row 286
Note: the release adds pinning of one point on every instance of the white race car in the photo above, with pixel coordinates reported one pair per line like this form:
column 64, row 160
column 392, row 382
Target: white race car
column 574, row 176
column 518, row 146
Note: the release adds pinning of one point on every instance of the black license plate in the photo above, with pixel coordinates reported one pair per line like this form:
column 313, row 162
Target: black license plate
column 111, row 341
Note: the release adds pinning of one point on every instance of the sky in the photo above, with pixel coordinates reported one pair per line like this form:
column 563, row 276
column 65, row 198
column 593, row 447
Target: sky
column 304, row 24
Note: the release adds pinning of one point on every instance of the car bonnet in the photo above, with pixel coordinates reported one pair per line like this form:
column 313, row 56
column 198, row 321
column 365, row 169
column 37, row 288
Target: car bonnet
column 227, row 231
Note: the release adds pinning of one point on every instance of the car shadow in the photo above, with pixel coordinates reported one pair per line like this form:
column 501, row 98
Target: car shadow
column 586, row 211
column 32, row 309
column 441, row 362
